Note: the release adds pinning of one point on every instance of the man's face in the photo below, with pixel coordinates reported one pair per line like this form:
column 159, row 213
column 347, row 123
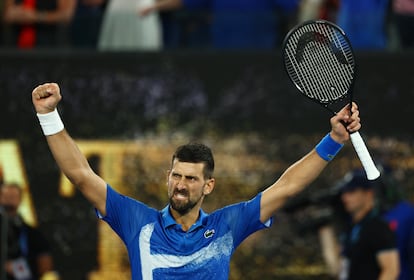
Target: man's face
column 355, row 200
column 10, row 199
column 187, row 186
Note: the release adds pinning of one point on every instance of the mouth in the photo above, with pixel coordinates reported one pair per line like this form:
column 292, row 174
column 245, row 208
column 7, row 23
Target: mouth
column 180, row 195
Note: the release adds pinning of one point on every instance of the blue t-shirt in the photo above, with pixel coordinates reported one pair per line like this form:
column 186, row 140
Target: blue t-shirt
column 401, row 220
column 159, row 249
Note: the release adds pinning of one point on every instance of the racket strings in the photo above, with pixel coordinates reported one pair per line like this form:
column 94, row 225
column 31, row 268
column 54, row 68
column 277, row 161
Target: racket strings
column 324, row 75
column 323, row 66
column 330, row 88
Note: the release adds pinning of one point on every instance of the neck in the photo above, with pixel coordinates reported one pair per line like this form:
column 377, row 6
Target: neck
column 185, row 220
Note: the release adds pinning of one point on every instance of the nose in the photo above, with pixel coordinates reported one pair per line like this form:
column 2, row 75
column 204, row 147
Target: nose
column 181, row 183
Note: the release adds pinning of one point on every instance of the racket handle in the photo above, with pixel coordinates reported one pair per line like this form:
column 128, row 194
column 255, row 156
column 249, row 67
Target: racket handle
column 364, row 156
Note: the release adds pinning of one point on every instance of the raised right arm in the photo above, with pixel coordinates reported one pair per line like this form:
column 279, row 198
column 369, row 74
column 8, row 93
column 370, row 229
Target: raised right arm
column 69, row 158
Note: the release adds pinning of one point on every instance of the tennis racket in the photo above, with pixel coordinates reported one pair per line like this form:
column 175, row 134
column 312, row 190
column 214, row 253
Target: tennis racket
column 319, row 60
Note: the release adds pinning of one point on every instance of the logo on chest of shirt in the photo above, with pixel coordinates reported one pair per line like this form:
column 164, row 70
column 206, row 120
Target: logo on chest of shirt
column 209, row 233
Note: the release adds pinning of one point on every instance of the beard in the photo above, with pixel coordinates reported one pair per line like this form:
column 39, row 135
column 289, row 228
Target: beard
column 183, row 206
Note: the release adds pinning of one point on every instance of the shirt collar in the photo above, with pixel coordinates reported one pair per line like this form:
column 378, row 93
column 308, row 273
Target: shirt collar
column 168, row 219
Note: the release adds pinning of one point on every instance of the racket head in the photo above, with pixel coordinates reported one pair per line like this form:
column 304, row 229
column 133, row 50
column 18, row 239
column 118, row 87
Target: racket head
column 319, row 60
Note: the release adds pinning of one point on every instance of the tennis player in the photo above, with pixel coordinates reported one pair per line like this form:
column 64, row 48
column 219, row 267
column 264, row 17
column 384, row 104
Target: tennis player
column 181, row 241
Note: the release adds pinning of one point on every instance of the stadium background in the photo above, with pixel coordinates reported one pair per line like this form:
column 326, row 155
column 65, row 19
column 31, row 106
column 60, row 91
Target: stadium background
column 138, row 107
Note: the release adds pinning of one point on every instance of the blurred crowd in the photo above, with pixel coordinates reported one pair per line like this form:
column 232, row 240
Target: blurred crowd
column 130, row 25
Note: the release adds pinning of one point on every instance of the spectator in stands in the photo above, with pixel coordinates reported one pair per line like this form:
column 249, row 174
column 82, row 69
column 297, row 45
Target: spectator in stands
column 399, row 212
column 404, row 20
column 253, row 24
column 32, row 23
column 387, row 205
column 28, row 252
column 365, row 22
column 369, row 249
column 124, row 30
column 318, row 9
column 86, row 23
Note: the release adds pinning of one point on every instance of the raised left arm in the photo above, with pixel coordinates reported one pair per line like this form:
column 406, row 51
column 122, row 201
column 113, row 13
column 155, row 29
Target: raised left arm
column 307, row 169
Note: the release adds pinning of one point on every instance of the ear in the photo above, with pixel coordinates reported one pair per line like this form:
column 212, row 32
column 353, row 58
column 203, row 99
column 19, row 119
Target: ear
column 167, row 176
column 209, row 186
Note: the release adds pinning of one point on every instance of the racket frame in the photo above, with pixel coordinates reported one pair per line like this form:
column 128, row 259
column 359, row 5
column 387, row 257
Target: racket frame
column 356, row 139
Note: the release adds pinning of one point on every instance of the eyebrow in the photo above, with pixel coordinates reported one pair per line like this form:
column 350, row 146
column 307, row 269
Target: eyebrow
column 186, row 176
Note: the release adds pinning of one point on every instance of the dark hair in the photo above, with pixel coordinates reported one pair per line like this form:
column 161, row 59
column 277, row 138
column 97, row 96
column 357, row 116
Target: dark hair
column 196, row 153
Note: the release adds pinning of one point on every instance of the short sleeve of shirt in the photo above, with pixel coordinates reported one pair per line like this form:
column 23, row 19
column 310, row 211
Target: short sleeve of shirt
column 244, row 218
column 384, row 237
column 119, row 209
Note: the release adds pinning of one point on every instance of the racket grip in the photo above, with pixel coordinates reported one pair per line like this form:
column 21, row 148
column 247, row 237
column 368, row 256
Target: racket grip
column 364, row 156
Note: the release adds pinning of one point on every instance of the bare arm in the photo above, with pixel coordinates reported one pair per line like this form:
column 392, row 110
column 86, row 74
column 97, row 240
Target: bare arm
column 66, row 153
column 307, row 169
column 161, row 5
column 16, row 13
column 330, row 249
column 389, row 263
column 63, row 13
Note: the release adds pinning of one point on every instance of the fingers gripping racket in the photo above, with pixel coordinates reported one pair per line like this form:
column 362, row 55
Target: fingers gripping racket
column 319, row 60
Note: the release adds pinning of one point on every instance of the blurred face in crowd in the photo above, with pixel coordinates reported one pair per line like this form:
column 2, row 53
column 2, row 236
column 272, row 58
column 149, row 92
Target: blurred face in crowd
column 357, row 201
column 10, row 198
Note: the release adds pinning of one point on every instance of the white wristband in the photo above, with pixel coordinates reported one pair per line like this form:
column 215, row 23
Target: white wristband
column 50, row 122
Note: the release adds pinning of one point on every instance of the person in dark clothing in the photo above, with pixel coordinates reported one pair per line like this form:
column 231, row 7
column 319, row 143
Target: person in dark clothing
column 31, row 24
column 369, row 248
column 236, row 24
column 86, row 23
column 28, row 251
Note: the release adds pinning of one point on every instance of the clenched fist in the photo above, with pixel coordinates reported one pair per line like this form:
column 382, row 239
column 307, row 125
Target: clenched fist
column 46, row 97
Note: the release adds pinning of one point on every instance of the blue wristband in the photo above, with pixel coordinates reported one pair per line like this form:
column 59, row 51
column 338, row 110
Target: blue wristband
column 328, row 148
